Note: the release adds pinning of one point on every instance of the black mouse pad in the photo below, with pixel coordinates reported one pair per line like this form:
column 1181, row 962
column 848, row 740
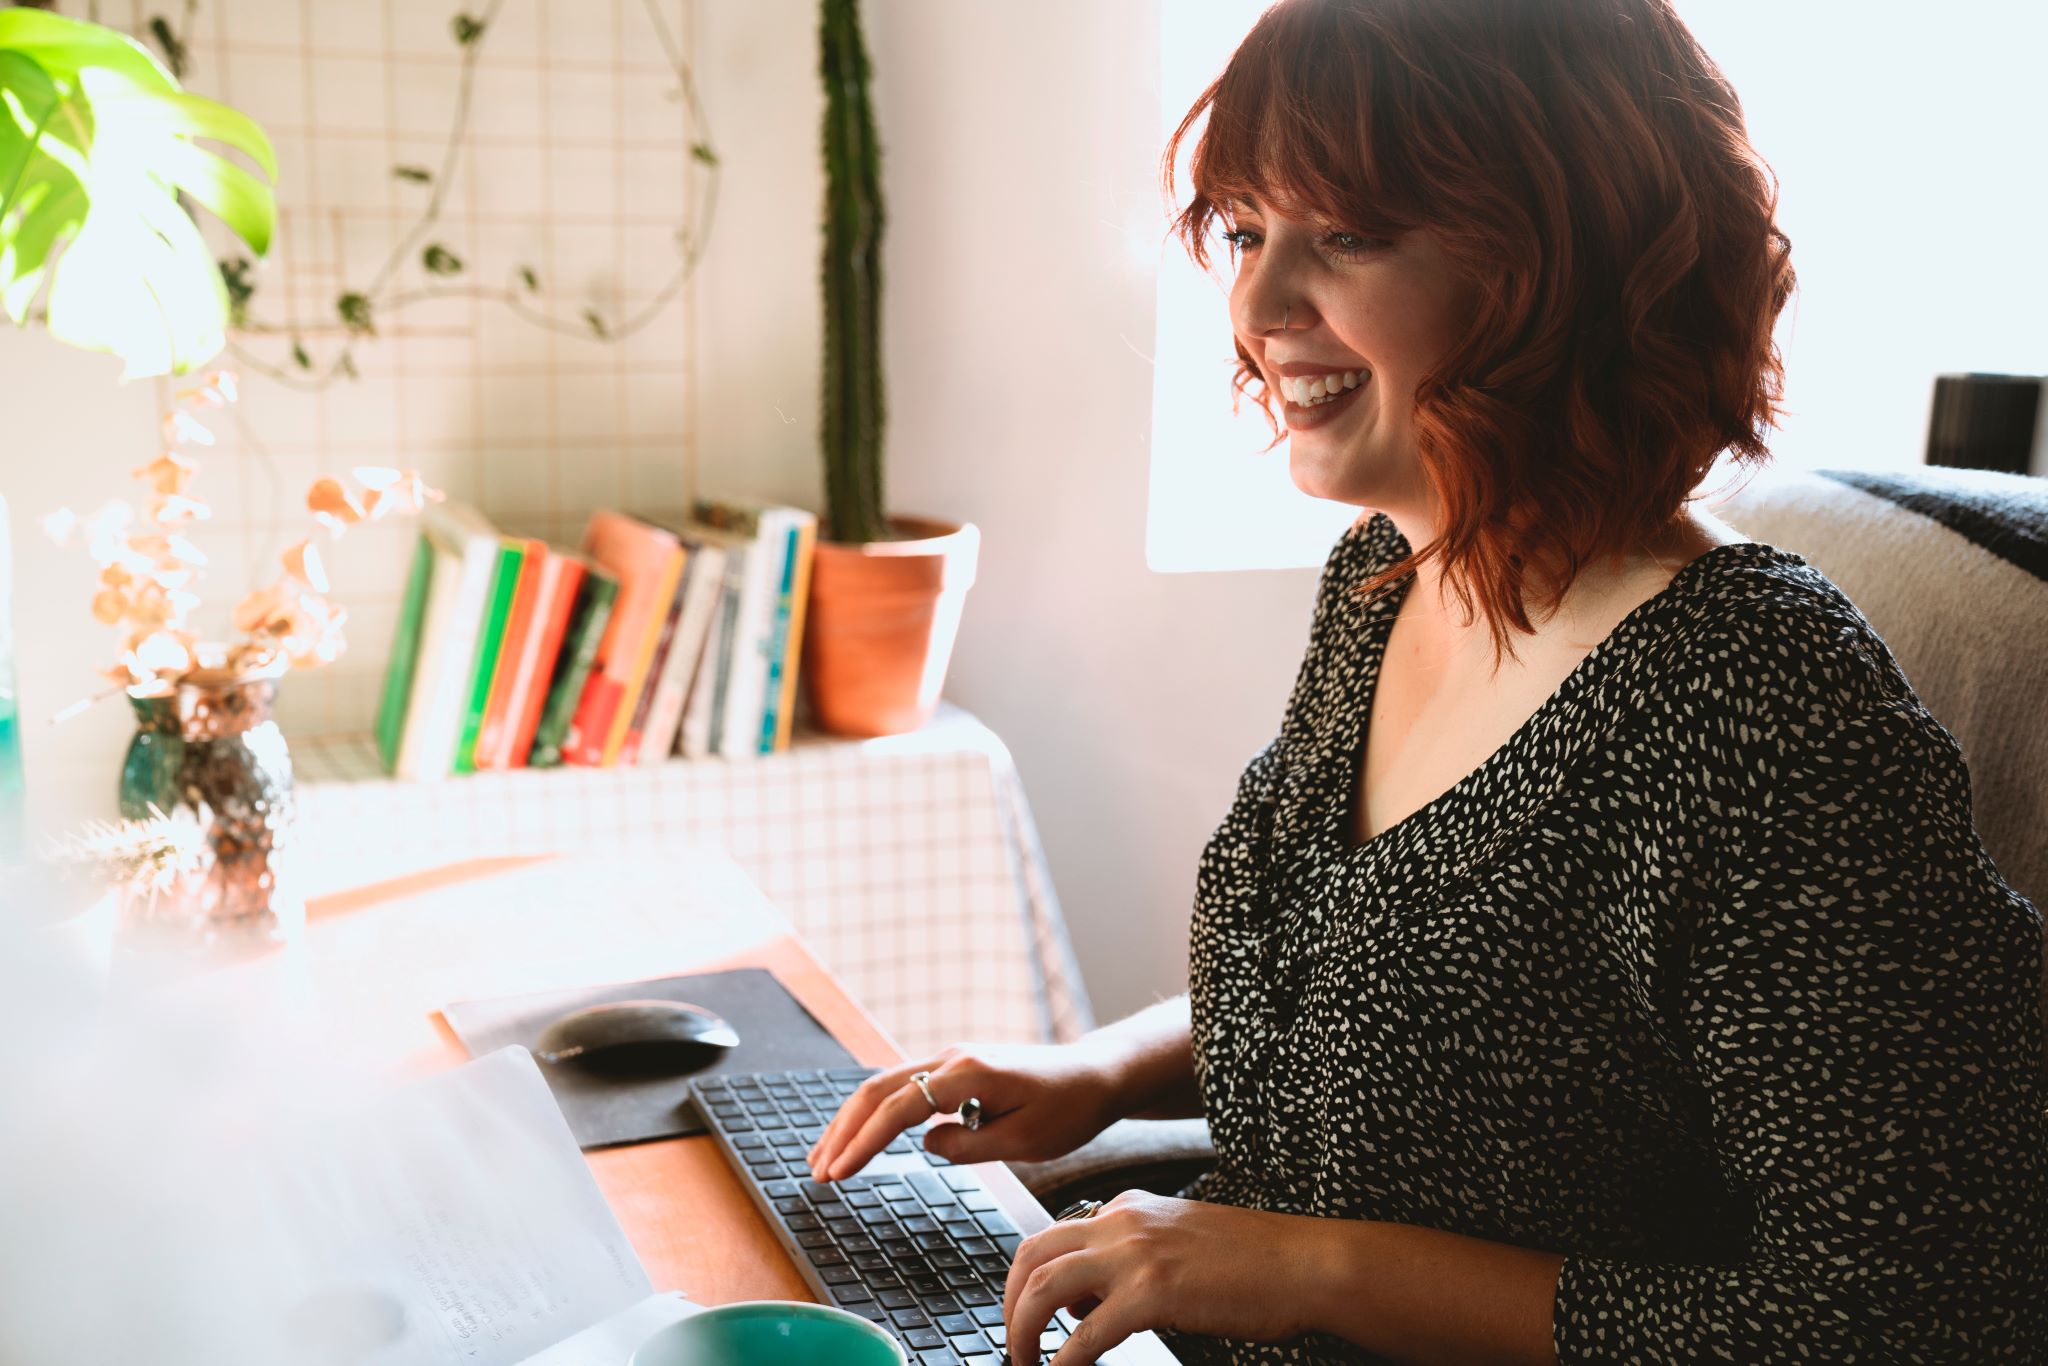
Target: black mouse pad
column 775, row 1031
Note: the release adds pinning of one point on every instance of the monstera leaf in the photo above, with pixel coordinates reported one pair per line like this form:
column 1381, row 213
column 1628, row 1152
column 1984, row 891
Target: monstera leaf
column 97, row 142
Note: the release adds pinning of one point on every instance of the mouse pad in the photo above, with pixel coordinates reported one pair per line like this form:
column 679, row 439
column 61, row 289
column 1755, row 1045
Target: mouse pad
column 775, row 1031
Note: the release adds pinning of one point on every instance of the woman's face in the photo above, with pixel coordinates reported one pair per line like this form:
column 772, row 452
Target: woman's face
column 1387, row 312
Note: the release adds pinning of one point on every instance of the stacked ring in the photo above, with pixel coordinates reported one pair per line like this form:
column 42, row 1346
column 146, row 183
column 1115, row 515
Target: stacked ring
column 923, row 1080
column 970, row 1112
column 1080, row 1209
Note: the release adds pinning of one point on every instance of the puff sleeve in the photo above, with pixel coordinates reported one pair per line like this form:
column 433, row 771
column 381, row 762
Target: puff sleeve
column 1860, row 1001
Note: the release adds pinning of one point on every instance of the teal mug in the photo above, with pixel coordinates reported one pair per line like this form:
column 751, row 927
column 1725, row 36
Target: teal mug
column 771, row 1333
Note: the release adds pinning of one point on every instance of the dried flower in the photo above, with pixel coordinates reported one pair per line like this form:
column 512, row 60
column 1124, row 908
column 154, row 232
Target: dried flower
column 148, row 568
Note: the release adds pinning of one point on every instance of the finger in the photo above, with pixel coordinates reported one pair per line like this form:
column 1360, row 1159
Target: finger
column 1098, row 1334
column 855, row 1110
column 1064, row 1280
column 1057, row 1240
column 904, row 1108
column 957, row 1143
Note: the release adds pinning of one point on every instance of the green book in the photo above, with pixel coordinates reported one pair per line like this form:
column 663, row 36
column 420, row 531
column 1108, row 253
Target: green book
column 592, row 613
column 405, row 656
column 490, row 639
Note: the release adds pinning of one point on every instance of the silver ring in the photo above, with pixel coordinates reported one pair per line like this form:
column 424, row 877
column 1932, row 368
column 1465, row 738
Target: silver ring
column 970, row 1112
column 921, row 1078
column 1080, row 1209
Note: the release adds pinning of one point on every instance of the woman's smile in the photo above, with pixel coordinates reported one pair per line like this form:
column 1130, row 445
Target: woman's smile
column 1321, row 412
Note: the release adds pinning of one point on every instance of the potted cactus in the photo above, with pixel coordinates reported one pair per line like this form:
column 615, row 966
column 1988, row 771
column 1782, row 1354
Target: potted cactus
column 886, row 592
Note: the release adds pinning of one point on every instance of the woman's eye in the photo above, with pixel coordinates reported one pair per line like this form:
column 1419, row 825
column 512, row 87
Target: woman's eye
column 1239, row 238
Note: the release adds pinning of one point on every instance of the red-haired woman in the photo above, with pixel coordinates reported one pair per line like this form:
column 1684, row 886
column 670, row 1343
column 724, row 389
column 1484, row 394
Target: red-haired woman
column 1600, row 964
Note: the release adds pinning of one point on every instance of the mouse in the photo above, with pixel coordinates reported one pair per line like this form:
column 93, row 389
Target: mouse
column 637, row 1038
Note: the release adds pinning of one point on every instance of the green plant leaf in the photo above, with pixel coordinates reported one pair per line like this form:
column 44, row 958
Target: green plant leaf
column 299, row 356
column 468, row 28
column 167, row 39
column 346, row 364
column 702, row 151
column 356, row 314
column 237, row 198
column 591, row 316
column 65, row 47
column 440, row 261
column 418, row 175
column 238, row 276
column 532, row 281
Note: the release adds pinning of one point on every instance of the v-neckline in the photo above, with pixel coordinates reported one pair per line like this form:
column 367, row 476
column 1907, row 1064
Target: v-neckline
column 1372, row 644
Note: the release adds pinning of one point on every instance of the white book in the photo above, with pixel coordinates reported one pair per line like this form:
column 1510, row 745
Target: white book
column 465, row 557
column 746, row 695
column 705, row 577
column 698, row 737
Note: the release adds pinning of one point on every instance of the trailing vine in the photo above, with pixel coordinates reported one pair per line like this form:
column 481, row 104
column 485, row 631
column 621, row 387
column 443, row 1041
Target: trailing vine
column 357, row 311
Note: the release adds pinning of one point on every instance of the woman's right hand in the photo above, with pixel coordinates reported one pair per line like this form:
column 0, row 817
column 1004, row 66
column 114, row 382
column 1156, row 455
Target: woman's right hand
column 1037, row 1102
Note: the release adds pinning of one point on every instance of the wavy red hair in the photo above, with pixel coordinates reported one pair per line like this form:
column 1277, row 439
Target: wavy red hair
column 1587, row 163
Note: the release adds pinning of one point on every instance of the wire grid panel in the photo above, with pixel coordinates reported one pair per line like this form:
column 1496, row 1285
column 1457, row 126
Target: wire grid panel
column 909, row 866
column 571, row 188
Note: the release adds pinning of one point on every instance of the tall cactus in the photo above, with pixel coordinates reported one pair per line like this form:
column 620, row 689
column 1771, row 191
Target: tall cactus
column 852, row 414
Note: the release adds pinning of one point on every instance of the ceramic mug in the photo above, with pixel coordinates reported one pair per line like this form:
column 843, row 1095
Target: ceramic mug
column 771, row 1333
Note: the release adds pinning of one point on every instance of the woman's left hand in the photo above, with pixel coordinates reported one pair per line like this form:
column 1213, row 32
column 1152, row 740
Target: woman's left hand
column 1150, row 1261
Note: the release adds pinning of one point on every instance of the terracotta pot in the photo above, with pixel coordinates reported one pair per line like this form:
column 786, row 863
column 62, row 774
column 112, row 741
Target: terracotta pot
column 880, row 625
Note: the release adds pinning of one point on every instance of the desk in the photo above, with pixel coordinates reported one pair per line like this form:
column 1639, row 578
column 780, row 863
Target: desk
column 382, row 959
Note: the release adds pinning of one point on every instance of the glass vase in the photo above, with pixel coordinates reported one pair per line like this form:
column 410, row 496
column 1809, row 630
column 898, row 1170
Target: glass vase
column 208, row 746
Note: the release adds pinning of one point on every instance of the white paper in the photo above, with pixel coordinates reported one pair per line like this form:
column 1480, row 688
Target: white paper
column 454, row 1221
column 613, row 1342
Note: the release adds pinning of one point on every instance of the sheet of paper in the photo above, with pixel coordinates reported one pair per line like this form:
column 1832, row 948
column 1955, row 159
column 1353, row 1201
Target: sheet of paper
column 612, row 1342
column 453, row 1221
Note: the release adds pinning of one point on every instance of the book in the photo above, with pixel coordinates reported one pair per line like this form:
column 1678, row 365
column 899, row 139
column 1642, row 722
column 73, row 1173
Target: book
column 465, row 548
column 703, row 581
column 766, row 526
column 629, row 750
column 490, row 640
column 404, row 659
column 494, row 737
column 561, row 579
column 647, row 561
column 699, row 736
column 785, row 646
column 588, row 621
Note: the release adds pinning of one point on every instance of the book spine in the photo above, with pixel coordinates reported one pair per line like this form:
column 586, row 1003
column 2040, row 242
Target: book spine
column 800, row 596
column 443, row 714
column 739, row 737
column 700, row 586
column 778, row 640
column 629, row 751
column 728, row 630
column 490, row 640
column 694, row 739
column 573, row 669
column 558, row 603
column 633, row 679
column 405, row 655
column 493, row 739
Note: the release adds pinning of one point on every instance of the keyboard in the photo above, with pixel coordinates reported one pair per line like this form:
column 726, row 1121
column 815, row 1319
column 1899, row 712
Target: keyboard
column 913, row 1243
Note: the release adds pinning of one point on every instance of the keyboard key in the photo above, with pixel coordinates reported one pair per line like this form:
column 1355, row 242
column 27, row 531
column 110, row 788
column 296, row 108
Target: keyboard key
column 816, row 1238
column 838, row 1275
column 899, row 1298
column 996, row 1222
column 912, row 1317
column 931, row 1189
column 954, row 1324
column 980, row 1297
column 978, row 1201
column 850, row 1294
column 924, row 1337
column 969, row 1344
column 939, row 1356
column 803, row 1223
column 987, row 1315
column 961, row 1180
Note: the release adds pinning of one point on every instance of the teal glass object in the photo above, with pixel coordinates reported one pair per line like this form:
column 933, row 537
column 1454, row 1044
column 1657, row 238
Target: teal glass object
column 771, row 1333
column 13, row 803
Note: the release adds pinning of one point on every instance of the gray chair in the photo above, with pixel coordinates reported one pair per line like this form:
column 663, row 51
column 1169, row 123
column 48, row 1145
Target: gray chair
column 1951, row 569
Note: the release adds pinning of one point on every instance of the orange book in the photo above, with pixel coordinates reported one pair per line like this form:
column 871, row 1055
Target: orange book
column 493, row 737
column 554, row 603
column 647, row 562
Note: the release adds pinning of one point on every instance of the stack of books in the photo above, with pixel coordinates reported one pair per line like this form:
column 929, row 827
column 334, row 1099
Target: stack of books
column 648, row 640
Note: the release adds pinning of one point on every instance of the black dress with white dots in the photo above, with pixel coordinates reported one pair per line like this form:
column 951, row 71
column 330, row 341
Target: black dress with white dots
column 1702, row 981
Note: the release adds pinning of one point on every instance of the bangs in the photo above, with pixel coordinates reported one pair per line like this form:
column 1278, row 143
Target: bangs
column 1293, row 123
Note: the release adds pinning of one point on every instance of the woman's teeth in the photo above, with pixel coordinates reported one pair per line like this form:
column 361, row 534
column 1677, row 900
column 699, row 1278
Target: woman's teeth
column 1306, row 393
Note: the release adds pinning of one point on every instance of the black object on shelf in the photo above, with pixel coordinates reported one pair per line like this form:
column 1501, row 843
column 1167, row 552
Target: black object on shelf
column 1987, row 422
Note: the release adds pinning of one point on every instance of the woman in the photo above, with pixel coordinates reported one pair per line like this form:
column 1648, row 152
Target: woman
column 1600, row 964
